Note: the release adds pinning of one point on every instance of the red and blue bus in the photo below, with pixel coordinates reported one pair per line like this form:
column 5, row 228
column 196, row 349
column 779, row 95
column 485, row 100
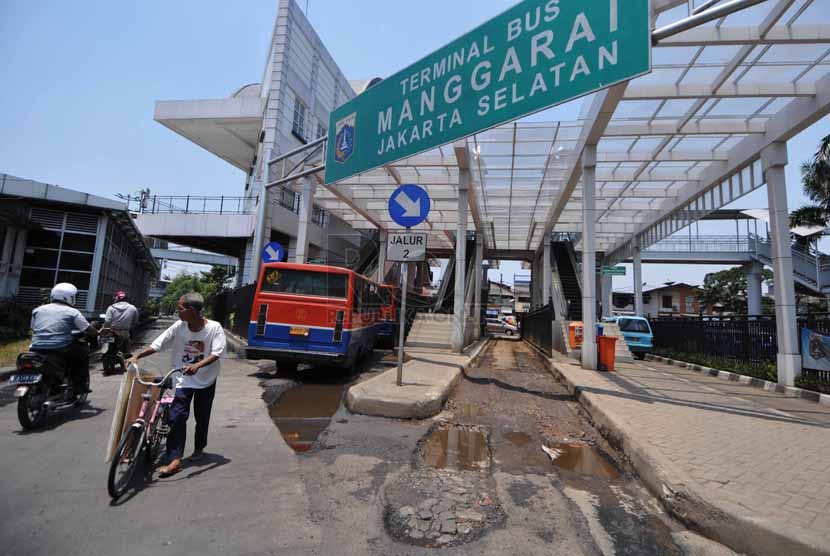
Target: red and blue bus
column 389, row 305
column 313, row 314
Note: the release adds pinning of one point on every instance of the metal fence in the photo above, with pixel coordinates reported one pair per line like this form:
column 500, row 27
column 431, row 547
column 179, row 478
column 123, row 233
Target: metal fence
column 233, row 309
column 748, row 339
column 752, row 340
column 537, row 328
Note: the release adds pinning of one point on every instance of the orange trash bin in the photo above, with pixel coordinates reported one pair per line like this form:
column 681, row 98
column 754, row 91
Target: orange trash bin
column 606, row 345
column 575, row 334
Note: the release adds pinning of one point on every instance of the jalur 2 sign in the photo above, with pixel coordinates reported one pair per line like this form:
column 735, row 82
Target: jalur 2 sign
column 535, row 55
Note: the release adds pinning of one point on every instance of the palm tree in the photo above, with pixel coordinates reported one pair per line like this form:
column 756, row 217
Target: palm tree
column 815, row 176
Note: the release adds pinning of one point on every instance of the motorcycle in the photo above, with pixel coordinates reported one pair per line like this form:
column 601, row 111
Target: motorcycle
column 44, row 385
column 114, row 350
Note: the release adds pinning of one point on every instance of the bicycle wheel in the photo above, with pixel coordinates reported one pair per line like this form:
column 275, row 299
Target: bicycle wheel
column 157, row 435
column 125, row 462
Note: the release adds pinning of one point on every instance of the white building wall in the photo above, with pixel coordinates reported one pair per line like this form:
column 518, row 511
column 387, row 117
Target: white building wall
column 299, row 66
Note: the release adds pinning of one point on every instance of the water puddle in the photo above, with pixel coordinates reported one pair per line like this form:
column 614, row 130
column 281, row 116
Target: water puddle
column 457, row 448
column 467, row 410
column 581, row 458
column 304, row 412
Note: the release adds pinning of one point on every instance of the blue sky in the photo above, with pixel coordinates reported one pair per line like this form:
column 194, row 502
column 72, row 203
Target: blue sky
column 80, row 80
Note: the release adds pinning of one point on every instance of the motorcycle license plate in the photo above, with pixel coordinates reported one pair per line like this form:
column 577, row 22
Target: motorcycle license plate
column 24, row 379
column 108, row 339
column 298, row 331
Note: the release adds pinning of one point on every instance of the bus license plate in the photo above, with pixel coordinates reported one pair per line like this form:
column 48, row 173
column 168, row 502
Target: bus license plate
column 298, row 331
column 24, row 379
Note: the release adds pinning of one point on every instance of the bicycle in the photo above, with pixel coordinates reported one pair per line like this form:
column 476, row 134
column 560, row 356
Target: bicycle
column 146, row 435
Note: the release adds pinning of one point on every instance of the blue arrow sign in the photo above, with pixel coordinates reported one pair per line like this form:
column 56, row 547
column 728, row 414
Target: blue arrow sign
column 273, row 253
column 409, row 205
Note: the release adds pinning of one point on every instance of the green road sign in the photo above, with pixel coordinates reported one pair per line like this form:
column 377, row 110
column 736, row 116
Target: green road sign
column 613, row 271
column 536, row 54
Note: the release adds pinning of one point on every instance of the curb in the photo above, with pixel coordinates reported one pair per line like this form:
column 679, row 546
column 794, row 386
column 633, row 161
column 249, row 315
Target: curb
column 723, row 521
column 6, row 372
column 422, row 409
column 789, row 391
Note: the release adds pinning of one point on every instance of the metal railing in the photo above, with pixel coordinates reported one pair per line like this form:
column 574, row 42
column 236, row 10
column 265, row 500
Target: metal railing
column 537, row 328
column 189, row 204
column 703, row 244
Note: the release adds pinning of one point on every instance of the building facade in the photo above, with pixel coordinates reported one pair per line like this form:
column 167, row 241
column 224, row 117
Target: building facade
column 50, row 234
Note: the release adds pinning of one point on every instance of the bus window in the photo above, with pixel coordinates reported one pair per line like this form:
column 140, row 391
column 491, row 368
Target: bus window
column 304, row 282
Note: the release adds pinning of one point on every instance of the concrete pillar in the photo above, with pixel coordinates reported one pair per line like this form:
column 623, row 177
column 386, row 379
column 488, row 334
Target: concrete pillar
column 457, row 338
column 589, row 258
column 382, row 238
column 262, row 232
column 754, row 278
column 306, row 209
column 638, row 280
column 478, row 284
column 605, row 296
column 97, row 260
column 547, row 273
column 774, row 161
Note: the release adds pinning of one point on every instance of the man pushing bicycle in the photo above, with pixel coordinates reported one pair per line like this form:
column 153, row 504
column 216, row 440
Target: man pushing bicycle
column 197, row 344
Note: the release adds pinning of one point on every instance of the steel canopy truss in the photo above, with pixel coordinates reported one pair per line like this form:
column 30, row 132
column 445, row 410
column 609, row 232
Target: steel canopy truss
column 672, row 146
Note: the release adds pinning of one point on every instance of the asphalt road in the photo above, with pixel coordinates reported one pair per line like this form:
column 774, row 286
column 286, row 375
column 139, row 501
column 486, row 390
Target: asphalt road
column 254, row 495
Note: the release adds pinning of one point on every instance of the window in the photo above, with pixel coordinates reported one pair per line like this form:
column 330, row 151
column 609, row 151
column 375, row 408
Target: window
column 303, row 282
column 298, row 126
column 634, row 325
column 321, row 130
column 690, row 304
column 667, row 302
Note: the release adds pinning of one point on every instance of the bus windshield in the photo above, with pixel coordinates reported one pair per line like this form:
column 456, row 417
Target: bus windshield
column 305, row 282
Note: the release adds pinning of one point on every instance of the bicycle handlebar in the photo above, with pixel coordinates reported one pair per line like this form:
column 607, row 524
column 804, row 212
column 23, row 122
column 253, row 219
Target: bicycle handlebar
column 151, row 383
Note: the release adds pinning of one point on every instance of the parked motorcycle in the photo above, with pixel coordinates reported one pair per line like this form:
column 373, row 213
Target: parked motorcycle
column 44, row 385
column 114, row 350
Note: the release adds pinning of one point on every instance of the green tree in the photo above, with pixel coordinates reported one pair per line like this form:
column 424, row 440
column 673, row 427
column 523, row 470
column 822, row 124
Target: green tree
column 815, row 177
column 727, row 289
column 209, row 284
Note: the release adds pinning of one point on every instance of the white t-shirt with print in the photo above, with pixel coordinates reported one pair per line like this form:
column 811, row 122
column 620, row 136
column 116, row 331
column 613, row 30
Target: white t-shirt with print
column 188, row 347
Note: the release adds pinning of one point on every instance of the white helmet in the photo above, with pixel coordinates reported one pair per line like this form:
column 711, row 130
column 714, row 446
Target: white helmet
column 65, row 293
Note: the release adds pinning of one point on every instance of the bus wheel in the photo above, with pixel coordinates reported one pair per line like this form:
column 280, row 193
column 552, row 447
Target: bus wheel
column 287, row 367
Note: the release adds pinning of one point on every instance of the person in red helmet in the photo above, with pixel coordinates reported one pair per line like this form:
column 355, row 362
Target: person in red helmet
column 121, row 317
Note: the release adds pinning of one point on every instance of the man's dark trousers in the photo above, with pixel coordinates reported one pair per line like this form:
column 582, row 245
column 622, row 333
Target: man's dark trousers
column 179, row 412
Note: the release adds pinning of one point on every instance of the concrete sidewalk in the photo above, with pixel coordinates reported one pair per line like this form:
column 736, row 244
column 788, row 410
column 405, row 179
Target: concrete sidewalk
column 429, row 377
column 747, row 467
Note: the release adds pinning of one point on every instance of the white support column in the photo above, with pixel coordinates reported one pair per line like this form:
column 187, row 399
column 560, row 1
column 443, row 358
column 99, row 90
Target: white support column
column 262, row 232
column 97, row 260
column 382, row 238
column 605, row 298
column 457, row 338
column 754, row 278
column 589, row 258
column 638, row 280
column 306, row 209
column 547, row 273
column 774, row 160
column 478, row 283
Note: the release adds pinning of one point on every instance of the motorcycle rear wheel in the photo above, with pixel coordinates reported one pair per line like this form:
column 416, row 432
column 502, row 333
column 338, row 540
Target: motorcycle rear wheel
column 30, row 409
column 125, row 462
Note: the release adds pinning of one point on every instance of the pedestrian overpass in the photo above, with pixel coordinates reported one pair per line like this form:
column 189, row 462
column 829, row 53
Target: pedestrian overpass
column 638, row 162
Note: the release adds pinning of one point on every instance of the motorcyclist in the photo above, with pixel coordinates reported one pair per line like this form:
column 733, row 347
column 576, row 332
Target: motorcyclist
column 52, row 327
column 121, row 317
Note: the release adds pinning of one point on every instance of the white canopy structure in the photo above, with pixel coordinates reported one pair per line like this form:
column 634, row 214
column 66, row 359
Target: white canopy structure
column 671, row 146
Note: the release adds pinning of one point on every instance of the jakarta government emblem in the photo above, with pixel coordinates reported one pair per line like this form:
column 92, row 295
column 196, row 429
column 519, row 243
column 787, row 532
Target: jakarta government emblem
column 344, row 138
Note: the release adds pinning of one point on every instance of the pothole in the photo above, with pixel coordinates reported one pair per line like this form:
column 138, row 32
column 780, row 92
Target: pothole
column 303, row 412
column 457, row 447
column 449, row 497
column 580, row 458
